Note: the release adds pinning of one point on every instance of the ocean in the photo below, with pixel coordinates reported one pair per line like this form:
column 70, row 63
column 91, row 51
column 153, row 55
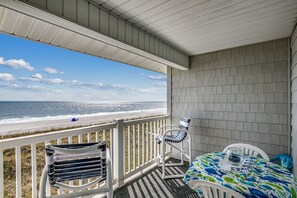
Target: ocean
column 26, row 111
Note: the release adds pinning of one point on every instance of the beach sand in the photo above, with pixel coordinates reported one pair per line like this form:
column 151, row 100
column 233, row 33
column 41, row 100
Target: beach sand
column 47, row 125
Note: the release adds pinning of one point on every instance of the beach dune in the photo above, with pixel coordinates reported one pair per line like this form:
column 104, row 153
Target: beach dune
column 47, row 125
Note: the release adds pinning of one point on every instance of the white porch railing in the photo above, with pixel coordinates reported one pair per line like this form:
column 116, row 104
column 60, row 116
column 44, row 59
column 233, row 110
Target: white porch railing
column 131, row 143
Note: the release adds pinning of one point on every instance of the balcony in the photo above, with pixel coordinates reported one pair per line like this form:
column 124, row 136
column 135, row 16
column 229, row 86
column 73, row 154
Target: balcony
column 231, row 67
column 132, row 148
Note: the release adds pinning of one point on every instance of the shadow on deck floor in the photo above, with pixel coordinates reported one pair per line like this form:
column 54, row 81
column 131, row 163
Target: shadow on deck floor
column 152, row 185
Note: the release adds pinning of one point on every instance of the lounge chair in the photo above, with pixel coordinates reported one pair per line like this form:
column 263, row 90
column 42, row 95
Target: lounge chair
column 70, row 162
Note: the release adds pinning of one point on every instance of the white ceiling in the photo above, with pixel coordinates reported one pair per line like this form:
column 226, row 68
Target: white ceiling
column 200, row 26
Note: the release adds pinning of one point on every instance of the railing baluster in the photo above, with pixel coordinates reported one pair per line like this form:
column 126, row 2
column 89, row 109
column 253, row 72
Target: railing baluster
column 147, row 143
column 138, row 146
column 104, row 134
column 1, row 174
column 97, row 136
column 79, row 139
column 134, row 149
column 111, row 150
column 143, row 145
column 89, row 137
column 60, row 191
column 18, row 172
column 33, row 170
column 151, row 141
column 70, row 141
column 48, row 187
column 129, row 153
column 80, row 182
column 155, row 145
column 89, row 140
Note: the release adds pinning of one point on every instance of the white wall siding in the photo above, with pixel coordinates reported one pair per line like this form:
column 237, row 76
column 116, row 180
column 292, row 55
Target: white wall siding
column 236, row 95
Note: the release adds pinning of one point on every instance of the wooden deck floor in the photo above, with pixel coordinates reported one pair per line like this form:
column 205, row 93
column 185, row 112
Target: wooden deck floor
column 152, row 185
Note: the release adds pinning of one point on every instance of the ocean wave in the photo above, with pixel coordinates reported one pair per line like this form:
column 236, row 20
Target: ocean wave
column 61, row 117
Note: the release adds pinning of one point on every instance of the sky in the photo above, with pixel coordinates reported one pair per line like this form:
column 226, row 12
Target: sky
column 32, row 71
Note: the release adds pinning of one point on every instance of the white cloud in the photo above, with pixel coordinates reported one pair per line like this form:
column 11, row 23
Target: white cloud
column 160, row 84
column 51, row 70
column 157, row 77
column 34, row 78
column 6, row 77
column 54, row 81
column 29, row 79
column 37, row 76
column 119, row 86
column 16, row 64
column 144, row 91
column 75, row 83
column 31, row 88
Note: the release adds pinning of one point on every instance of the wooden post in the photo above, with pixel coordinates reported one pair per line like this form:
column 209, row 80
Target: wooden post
column 119, row 152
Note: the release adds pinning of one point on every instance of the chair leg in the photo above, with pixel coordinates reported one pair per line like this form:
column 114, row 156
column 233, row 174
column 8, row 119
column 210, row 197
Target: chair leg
column 163, row 158
column 109, row 181
column 43, row 180
column 159, row 155
column 190, row 151
column 181, row 154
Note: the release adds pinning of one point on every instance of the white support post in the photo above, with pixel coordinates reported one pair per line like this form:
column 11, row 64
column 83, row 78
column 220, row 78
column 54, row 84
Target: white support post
column 119, row 152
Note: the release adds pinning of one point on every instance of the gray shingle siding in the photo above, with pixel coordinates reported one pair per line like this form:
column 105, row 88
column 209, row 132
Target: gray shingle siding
column 236, row 95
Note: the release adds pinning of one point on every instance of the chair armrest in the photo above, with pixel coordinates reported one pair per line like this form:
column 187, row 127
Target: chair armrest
column 171, row 130
column 194, row 184
column 166, row 126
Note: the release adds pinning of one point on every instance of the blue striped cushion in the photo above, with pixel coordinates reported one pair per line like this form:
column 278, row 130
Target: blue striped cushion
column 177, row 137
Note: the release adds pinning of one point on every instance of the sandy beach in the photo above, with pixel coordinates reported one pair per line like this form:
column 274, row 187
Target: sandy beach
column 44, row 125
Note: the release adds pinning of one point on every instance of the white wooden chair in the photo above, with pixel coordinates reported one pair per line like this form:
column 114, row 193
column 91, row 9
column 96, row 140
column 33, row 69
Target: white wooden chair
column 181, row 134
column 213, row 190
column 74, row 162
column 248, row 150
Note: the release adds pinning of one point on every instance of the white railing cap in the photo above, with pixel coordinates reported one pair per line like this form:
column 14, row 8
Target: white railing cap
column 45, row 137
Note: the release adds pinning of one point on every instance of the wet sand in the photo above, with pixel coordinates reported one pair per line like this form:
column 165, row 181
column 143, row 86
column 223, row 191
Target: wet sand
column 47, row 125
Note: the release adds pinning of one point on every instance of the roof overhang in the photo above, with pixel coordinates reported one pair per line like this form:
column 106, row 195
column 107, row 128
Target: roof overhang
column 106, row 36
